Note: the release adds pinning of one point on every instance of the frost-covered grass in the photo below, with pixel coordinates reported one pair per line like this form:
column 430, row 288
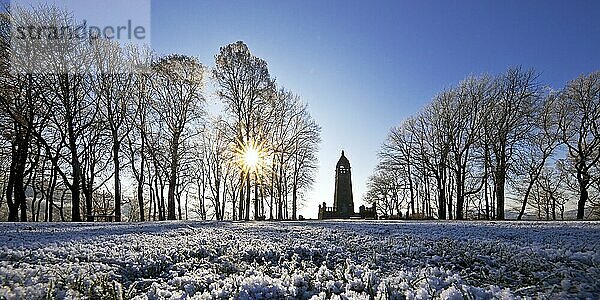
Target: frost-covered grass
column 304, row 260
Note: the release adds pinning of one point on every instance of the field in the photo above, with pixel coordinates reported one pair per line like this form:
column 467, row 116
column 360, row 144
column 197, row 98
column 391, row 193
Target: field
column 301, row 260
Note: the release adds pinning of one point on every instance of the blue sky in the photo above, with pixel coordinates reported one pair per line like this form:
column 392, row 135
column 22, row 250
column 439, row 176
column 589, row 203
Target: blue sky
column 363, row 66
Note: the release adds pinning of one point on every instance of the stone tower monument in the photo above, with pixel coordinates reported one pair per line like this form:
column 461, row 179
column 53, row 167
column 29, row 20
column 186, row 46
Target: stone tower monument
column 343, row 201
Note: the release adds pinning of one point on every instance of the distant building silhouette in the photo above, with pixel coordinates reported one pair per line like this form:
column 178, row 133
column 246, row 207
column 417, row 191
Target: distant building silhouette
column 343, row 200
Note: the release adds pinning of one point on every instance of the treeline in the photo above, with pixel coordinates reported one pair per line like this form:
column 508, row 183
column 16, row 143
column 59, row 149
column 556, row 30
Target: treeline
column 123, row 133
column 495, row 143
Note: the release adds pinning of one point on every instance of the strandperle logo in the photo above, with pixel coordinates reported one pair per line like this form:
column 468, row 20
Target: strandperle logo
column 128, row 31
column 62, row 36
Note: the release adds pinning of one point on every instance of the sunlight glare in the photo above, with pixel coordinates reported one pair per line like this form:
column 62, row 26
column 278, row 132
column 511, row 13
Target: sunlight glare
column 251, row 158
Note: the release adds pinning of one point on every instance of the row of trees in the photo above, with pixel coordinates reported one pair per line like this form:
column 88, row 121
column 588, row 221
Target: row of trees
column 492, row 143
column 103, row 130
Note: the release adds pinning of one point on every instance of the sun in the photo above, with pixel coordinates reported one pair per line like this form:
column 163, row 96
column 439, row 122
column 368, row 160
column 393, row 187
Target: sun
column 251, row 158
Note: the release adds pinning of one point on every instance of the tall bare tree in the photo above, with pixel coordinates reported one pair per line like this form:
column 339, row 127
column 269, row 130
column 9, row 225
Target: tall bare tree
column 580, row 123
column 540, row 143
column 177, row 85
column 510, row 110
column 113, row 86
column 244, row 83
column 467, row 106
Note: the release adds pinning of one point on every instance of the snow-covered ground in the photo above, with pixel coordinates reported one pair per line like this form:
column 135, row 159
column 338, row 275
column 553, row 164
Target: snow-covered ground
column 319, row 260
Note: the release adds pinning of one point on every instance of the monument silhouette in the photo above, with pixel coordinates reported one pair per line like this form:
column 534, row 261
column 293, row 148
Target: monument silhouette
column 343, row 200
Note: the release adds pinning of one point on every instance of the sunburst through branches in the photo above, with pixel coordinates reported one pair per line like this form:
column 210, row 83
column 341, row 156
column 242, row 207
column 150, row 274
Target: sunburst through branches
column 251, row 157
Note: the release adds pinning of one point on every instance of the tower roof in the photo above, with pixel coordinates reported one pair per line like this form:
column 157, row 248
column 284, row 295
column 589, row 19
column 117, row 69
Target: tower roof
column 343, row 161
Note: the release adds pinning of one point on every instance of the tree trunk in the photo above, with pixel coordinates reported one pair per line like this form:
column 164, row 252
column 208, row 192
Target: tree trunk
column 140, row 187
column 157, row 201
column 13, row 206
column 140, row 195
column 186, row 206
column 179, row 205
column 294, row 200
column 485, row 184
column 87, row 191
column 173, row 178
column 17, row 186
column 272, row 193
column 256, row 211
column 50, row 201
column 553, row 206
column 247, row 197
column 524, row 204
column 161, row 208
column 441, row 198
column 224, row 198
column 285, row 202
column 76, row 171
column 493, row 204
column 117, row 177
column 499, row 182
column 449, row 200
column 460, row 197
column 411, row 188
column 241, row 200
column 583, row 179
column 202, row 200
column 262, row 199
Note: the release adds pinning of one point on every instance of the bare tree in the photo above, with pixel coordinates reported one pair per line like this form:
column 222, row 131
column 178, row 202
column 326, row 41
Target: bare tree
column 113, row 86
column 137, row 139
column 386, row 190
column 216, row 155
column 177, row 85
column 580, row 123
column 510, row 110
column 399, row 154
column 20, row 103
column 306, row 137
column 244, row 84
column 467, row 106
column 432, row 134
column 540, row 143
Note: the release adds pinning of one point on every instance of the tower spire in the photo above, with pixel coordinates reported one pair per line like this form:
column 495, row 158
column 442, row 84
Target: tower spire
column 343, row 201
